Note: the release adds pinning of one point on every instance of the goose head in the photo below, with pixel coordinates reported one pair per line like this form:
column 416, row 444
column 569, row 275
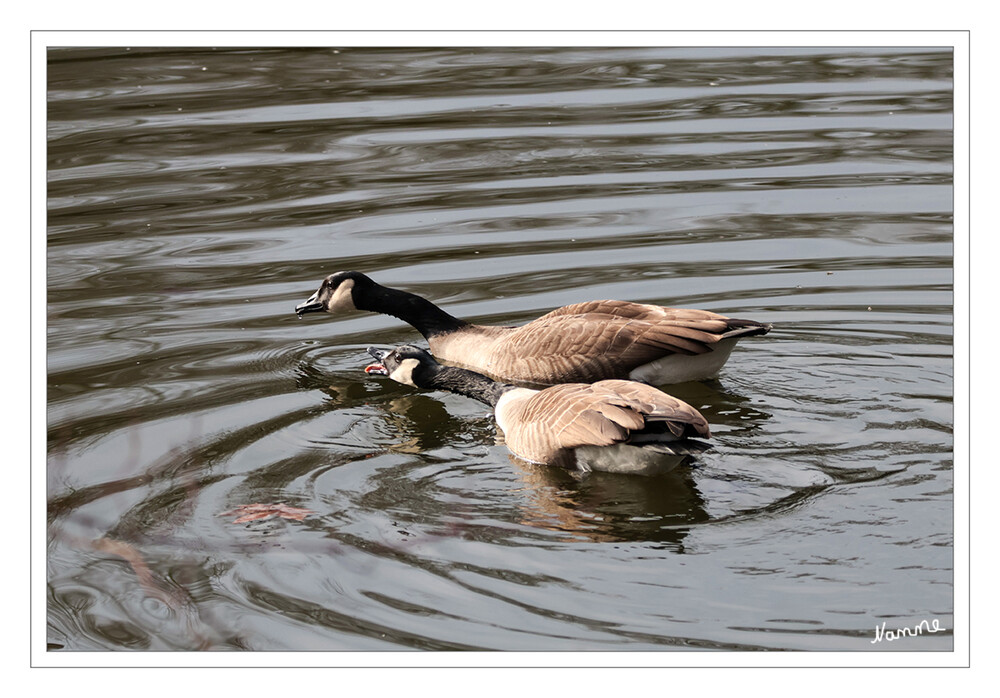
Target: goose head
column 335, row 294
column 407, row 364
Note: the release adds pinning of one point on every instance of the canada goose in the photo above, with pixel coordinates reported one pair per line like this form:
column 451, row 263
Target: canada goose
column 584, row 342
column 611, row 425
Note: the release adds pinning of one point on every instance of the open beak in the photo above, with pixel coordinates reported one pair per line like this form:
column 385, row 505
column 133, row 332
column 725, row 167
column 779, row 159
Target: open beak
column 313, row 305
column 378, row 369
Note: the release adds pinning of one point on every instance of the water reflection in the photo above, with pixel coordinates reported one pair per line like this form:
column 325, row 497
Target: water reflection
column 604, row 507
column 590, row 506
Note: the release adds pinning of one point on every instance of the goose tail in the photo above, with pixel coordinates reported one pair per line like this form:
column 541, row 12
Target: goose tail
column 745, row 328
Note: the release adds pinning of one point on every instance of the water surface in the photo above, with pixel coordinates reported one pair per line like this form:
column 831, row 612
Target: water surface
column 196, row 196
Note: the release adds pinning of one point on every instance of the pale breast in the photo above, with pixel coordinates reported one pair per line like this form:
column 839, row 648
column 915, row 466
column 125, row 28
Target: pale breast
column 472, row 348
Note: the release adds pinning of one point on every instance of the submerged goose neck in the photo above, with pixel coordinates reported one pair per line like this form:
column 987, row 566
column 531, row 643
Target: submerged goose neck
column 468, row 383
column 419, row 312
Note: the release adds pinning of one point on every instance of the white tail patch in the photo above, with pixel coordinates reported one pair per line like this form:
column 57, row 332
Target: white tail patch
column 679, row 368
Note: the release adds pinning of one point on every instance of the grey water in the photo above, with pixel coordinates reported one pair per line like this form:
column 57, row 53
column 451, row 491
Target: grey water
column 195, row 196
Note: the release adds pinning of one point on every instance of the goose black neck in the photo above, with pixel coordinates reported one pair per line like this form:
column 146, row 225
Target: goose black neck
column 468, row 383
column 426, row 317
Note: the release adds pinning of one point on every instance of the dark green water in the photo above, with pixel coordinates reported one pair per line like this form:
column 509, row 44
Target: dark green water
column 196, row 196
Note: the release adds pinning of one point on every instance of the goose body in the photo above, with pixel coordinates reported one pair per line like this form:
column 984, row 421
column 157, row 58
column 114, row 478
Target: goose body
column 583, row 342
column 611, row 425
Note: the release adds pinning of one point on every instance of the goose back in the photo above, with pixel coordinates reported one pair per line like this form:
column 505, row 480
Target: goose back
column 547, row 426
column 583, row 342
column 597, row 340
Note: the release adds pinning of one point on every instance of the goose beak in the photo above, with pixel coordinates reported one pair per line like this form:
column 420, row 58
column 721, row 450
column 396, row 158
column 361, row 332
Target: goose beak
column 377, row 369
column 313, row 305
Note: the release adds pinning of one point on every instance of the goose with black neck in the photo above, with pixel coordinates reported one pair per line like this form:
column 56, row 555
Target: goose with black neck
column 612, row 425
column 584, row 342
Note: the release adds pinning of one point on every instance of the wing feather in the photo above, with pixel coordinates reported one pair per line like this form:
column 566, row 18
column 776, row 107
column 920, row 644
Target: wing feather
column 587, row 342
column 589, row 347
column 552, row 421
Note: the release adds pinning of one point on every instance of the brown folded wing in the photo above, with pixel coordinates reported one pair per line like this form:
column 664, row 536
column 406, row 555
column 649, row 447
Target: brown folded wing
column 592, row 341
column 608, row 412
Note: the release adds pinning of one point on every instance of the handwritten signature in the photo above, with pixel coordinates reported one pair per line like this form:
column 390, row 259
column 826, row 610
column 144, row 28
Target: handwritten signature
column 920, row 628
